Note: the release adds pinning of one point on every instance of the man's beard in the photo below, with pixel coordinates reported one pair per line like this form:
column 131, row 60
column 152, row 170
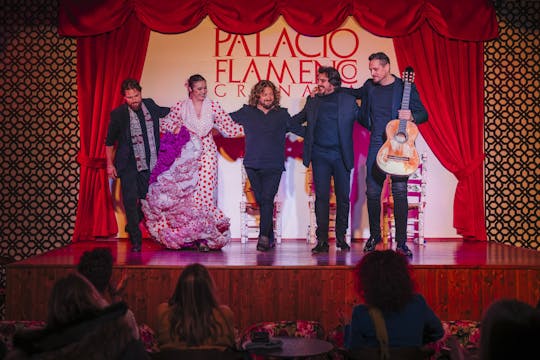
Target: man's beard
column 267, row 106
column 135, row 107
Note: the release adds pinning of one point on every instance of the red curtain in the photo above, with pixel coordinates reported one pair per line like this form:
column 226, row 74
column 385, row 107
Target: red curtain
column 104, row 60
column 450, row 75
column 472, row 20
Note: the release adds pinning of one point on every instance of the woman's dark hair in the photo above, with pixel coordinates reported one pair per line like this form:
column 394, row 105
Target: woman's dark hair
column 76, row 308
column 333, row 75
column 509, row 330
column 192, row 307
column 96, row 265
column 257, row 90
column 384, row 280
column 130, row 84
column 193, row 79
column 73, row 297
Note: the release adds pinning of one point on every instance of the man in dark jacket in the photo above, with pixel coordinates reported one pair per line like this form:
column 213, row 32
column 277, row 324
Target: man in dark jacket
column 381, row 101
column 328, row 147
column 134, row 129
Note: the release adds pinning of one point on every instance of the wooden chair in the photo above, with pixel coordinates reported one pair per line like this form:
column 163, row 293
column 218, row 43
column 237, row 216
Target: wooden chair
column 249, row 213
column 416, row 194
column 312, row 227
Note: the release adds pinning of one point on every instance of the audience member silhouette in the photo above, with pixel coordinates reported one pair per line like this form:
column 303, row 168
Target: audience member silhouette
column 97, row 265
column 80, row 325
column 193, row 318
column 509, row 329
column 384, row 282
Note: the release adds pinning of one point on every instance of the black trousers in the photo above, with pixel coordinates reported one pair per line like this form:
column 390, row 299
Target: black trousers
column 265, row 184
column 327, row 165
column 375, row 178
column 134, row 186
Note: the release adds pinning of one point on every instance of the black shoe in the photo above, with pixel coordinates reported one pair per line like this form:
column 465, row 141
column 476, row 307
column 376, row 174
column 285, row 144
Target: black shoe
column 371, row 244
column 403, row 249
column 262, row 247
column 342, row 244
column 136, row 248
column 321, row 247
column 265, row 244
column 202, row 247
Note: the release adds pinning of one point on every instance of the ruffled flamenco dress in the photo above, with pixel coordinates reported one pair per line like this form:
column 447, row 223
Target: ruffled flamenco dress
column 171, row 214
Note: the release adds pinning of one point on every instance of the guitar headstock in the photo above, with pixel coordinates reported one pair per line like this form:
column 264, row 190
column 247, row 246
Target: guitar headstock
column 408, row 75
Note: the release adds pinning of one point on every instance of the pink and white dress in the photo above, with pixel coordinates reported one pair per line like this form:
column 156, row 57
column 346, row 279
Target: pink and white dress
column 181, row 205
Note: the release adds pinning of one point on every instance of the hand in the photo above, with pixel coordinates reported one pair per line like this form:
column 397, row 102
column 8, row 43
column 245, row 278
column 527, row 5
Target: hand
column 405, row 115
column 120, row 286
column 314, row 91
column 344, row 318
column 457, row 351
column 111, row 171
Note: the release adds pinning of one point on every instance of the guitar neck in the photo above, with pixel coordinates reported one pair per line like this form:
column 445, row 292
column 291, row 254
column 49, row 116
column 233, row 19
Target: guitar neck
column 406, row 96
column 405, row 105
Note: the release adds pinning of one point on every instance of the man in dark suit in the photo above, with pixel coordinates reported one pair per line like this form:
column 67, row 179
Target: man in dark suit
column 381, row 100
column 134, row 129
column 328, row 146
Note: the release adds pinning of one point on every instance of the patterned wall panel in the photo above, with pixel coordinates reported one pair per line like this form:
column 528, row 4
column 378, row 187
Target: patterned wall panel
column 512, row 111
column 39, row 134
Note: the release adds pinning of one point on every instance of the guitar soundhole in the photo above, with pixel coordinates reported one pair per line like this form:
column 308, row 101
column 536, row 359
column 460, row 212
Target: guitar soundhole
column 400, row 137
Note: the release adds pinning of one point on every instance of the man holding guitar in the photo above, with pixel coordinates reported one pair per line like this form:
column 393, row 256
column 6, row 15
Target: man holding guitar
column 383, row 98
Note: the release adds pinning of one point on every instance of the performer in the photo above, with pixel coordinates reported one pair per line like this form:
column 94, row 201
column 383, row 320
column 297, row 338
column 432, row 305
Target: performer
column 328, row 146
column 134, row 128
column 181, row 207
column 381, row 100
column 265, row 126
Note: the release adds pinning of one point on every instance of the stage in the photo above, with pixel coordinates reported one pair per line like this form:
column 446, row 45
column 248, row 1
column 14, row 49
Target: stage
column 458, row 278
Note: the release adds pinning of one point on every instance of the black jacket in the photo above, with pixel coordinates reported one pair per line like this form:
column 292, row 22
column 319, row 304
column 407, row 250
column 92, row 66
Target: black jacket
column 87, row 331
column 348, row 114
column 119, row 133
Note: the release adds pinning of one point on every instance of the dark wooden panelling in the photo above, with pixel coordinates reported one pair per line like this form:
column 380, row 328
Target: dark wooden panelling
column 279, row 293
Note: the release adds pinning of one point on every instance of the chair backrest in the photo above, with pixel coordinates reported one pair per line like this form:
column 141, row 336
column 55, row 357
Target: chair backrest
column 416, row 185
column 247, row 192
column 310, row 185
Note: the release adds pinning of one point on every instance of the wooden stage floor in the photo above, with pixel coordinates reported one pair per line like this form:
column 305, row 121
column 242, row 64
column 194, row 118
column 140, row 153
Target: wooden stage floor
column 459, row 279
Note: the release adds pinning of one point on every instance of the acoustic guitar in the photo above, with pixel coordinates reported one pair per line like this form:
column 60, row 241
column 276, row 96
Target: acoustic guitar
column 398, row 156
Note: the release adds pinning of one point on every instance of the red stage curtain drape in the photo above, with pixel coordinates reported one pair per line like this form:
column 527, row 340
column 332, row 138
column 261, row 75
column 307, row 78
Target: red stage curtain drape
column 452, row 70
column 471, row 20
column 103, row 62
column 120, row 52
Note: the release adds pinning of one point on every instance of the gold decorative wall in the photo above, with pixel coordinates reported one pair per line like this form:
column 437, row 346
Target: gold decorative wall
column 512, row 112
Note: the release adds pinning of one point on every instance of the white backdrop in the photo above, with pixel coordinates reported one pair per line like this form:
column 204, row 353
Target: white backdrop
column 233, row 63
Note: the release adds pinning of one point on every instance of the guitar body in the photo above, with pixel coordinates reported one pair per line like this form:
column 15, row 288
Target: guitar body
column 398, row 155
